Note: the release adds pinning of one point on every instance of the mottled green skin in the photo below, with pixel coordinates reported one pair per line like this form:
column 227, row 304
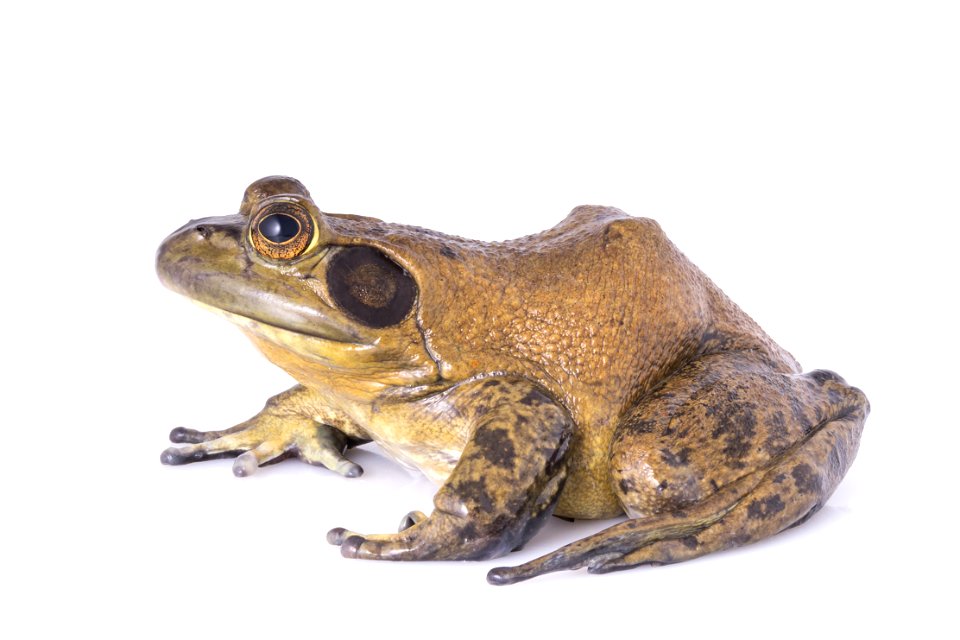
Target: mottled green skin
column 590, row 369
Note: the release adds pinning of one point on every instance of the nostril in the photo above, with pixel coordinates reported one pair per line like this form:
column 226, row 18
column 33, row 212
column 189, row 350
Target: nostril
column 203, row 231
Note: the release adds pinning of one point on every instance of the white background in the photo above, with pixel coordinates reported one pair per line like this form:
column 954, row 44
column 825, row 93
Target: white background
column 805, row 156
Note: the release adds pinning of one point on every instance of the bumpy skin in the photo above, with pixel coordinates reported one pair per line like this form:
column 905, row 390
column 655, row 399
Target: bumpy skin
column 589, row 370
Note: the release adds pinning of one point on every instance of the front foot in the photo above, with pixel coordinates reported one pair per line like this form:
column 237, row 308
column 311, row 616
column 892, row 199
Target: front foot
column 440, row 536
column 278, row 432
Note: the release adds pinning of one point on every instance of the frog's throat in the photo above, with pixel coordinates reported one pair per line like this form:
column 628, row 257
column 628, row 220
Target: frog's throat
column 316, row 362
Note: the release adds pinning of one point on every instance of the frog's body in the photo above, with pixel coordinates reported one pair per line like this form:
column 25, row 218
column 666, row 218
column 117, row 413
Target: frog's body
column 590, row 369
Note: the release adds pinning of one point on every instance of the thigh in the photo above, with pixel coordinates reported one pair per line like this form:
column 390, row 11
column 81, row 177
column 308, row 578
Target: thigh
column 714, row 421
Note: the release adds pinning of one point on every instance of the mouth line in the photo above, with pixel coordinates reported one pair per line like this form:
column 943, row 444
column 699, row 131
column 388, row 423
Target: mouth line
column 233, row 316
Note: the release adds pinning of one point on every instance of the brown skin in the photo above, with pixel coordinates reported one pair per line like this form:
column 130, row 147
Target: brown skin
column 589, row 370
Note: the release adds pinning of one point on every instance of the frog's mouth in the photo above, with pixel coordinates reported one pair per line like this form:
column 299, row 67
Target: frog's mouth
column 332, row 353
column 275, row 332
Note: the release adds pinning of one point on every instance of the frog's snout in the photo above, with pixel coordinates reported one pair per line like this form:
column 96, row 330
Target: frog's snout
column 195, row 243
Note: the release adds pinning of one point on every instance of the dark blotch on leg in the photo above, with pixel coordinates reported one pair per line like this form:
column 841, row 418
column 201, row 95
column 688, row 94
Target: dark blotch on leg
column 675, row 459
column 497, row 447
column 762, row 509
column 534, row 398
column 351, row 546
column 806, row 479
column 476, row 492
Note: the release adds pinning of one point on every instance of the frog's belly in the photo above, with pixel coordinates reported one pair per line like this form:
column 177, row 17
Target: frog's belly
column 412, row 434
column 434, row 462
column 588, row 493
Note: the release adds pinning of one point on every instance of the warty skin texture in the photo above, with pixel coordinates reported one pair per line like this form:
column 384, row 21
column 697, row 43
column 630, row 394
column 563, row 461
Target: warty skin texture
column 588, row 371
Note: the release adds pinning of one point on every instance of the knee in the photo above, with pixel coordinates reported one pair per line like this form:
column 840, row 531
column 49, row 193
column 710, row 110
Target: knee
column 655, row 481
column 841, row 395
column 823, row 375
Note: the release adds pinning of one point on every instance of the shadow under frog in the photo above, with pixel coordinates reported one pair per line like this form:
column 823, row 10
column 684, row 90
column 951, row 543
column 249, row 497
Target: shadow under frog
column 586, row 371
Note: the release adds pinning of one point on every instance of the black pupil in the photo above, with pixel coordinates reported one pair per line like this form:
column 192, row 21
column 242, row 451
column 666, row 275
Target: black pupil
column 279, row 227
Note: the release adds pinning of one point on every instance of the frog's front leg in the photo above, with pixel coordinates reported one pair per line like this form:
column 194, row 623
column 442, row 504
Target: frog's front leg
column 504, row 486
column 287, row 426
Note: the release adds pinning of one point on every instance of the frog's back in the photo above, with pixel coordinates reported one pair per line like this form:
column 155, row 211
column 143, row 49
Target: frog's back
column 594, row 308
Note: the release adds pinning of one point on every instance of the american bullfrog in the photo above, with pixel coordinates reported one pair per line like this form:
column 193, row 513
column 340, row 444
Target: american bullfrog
column 587, row 371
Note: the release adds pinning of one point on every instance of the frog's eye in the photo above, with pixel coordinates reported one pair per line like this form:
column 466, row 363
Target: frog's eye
column 370, row 287
column 281, row 230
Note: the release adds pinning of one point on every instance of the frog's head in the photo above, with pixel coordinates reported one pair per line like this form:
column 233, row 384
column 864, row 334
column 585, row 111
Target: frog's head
column 310, row 297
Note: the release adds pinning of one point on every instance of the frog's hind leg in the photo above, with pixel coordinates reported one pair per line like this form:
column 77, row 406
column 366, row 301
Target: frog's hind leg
column 727, row 452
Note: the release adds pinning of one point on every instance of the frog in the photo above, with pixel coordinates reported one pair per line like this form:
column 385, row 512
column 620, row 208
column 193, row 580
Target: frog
column 589, row 371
